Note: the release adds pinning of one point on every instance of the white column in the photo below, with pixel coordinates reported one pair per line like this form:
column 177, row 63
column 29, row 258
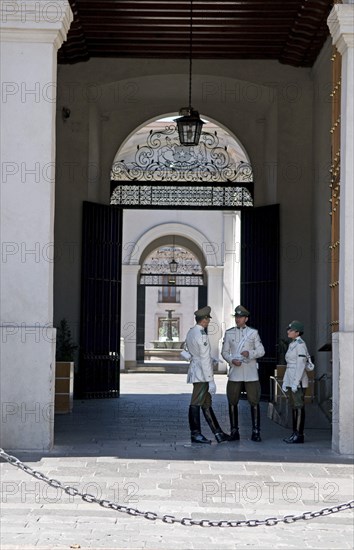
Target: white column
column 341, row 26
column 128, row 311
column 31, row 33
column 215, row 301
column 232, row 257
column 232, row 273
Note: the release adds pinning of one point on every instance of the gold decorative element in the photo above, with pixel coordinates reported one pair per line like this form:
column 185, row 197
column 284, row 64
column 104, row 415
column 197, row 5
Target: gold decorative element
column 334, row 284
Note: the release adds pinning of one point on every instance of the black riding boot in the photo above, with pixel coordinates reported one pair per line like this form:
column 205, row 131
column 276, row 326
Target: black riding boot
column 233, row 414
column 298, row 435
column 291, row 437
column 194, row 424
column 210, row 417
column 256, row 423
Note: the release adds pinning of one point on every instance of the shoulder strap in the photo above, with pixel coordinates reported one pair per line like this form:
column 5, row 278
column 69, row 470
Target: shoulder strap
column 241, row 342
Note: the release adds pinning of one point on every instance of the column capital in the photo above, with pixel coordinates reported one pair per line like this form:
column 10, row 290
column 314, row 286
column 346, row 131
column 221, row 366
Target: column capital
column 131, row 268
column 341, row 25
column 34, row 21
column 214, row 269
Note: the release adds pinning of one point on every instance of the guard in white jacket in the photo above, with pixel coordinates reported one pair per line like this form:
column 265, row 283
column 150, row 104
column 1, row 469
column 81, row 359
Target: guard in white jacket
column 201, row 375
column 296, row 380
column 241, row 348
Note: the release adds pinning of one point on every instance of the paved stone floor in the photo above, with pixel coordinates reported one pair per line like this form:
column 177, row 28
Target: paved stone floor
column 136, row 451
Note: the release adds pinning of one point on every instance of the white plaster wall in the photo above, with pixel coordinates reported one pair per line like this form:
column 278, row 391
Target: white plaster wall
column 27, row 183
column 209, row 224
column 27, row 388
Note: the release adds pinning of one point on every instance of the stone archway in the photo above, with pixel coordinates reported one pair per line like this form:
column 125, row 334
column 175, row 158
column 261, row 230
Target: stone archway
column 201, row 246
column 171, row 284
column 151, row 172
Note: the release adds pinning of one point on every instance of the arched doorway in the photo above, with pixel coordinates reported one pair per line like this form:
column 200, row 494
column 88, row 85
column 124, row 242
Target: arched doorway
column 153, row 176
column 184, row 233
column 171, row 285
column 198, row 194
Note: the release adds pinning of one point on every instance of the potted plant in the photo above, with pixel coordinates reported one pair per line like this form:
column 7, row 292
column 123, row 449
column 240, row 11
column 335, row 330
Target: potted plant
column 64, row 368
column 65, row 348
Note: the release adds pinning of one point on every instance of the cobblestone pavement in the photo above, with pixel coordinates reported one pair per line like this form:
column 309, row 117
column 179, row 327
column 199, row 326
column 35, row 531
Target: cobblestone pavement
column 136, row 451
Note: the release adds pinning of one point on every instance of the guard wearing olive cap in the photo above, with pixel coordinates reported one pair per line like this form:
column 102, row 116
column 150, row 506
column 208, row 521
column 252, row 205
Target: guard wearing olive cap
column 241, row 348
column 203, row 312
column 241, row 311
column 201, row 375
column 296, row 380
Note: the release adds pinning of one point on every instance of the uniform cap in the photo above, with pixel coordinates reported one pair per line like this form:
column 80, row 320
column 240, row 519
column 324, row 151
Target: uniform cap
column 241, row 311
column 296, row 325
column 203, row 312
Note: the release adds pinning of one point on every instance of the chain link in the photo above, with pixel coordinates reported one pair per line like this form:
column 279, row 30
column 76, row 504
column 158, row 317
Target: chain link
column 72, row 491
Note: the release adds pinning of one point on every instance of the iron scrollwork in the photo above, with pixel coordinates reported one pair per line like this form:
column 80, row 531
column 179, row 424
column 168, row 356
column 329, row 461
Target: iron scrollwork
column 164, row 173
column 163, row 159
column 155, row 279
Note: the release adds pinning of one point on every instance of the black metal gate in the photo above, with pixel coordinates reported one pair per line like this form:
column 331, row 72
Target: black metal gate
column 140, row 323
column 99, row 363
column 260, row 281
column 202, row 296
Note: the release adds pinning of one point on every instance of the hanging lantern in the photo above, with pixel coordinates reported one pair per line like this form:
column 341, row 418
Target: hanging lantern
column 189, row 128
column 189, row 125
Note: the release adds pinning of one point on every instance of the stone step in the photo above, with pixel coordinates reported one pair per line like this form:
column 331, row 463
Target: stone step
column 150, row 366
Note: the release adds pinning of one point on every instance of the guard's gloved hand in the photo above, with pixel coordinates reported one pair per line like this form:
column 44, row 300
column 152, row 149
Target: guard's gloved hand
column 294, row 388
column 212, row 387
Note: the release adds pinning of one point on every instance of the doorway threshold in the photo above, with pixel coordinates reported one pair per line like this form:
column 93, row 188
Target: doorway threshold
column 159, row 367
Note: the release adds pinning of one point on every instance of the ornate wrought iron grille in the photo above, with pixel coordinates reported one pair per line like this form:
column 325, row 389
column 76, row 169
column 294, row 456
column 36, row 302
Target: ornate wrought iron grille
column 158, row 262
column 166, row 174
column 155, row 269
column 155, row 279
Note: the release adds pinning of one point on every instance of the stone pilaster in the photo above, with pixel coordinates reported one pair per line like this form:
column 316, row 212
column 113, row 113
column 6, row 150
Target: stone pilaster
column 215, row 301
column 31, row 33
column 128, row 311
column 341, row 26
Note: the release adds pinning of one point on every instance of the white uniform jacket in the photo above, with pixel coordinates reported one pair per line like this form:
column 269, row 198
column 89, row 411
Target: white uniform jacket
column 201, row 363
column 296, row 359
column 237, row 340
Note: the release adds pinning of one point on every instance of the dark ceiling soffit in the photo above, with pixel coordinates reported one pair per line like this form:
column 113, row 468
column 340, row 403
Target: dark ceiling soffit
column 292, row 32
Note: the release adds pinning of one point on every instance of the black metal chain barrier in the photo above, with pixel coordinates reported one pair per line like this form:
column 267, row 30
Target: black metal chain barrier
column 87, row 497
